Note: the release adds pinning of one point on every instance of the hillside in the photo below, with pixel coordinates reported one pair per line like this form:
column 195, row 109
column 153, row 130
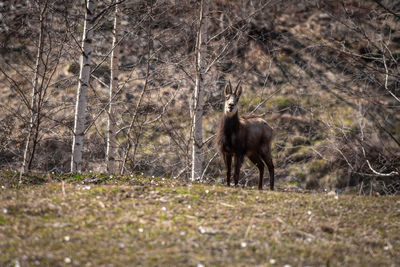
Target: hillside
column 324, row 74
column 97, row 220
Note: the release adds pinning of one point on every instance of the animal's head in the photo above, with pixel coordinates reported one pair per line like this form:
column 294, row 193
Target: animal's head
column 232, row 99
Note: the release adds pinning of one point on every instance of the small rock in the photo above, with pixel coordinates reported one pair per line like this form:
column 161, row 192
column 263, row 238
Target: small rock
column 208, row 230
column 101, row 204
column 331, row 193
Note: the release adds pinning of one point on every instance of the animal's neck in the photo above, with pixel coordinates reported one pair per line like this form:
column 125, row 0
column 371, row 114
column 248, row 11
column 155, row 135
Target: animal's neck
column 228, row 127
column 231, row 123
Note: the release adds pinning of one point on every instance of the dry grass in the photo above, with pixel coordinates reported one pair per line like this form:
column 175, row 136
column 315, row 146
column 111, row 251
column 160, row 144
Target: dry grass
column 165, row 222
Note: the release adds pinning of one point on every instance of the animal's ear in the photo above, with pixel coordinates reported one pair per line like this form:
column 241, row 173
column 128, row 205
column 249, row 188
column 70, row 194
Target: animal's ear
column 238, row 90
column 228, row 89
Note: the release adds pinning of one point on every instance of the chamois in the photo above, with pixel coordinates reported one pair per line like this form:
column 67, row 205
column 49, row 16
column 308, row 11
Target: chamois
column 249, row 136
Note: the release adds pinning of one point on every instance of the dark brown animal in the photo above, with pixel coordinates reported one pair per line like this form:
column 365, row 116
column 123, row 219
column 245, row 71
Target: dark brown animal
column 238, row 137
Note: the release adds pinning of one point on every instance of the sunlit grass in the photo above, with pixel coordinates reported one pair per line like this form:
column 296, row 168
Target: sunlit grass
column 165, row 222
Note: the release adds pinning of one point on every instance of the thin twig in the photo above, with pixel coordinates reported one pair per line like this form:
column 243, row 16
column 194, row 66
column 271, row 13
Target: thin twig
column 208, row 164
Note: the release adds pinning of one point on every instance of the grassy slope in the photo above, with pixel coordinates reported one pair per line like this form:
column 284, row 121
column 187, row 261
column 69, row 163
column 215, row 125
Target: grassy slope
column 155, row 222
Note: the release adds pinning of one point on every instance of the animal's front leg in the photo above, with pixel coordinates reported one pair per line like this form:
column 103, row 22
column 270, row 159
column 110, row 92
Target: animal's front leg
column 238, row 165
column 228, row 164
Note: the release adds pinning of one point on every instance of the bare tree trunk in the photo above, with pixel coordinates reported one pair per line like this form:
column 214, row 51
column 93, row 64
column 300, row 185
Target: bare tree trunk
column 111, row 153
column 83, row 84
column 34, row 116
column 198, row 99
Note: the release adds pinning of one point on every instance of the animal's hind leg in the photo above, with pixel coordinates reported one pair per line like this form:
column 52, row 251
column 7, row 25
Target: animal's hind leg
column 228, row 164
column 260, row 165
column 238, row 165
column 267, row 157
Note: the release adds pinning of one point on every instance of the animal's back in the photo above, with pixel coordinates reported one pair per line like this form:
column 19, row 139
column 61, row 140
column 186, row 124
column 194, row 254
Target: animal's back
column 259, row 133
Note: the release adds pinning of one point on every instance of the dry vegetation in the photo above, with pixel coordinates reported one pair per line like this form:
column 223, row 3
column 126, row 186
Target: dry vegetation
column 318, row 77
column 92, row 220
column 324, row 74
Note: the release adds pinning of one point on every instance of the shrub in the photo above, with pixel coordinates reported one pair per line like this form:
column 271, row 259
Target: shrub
column 283, row 103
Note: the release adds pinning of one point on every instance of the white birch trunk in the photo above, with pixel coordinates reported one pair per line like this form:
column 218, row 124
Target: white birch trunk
column 83, row 85
column 198, row 100
column 111, row 153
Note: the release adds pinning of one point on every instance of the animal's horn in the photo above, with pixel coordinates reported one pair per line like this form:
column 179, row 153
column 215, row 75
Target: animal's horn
column 238, row 89
column 237, row 86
